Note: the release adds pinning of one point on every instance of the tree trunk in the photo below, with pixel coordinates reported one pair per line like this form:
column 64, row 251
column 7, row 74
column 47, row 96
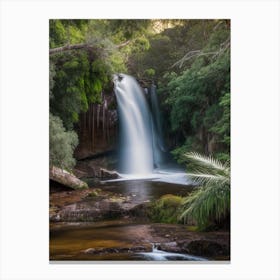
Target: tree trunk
column 65, row 178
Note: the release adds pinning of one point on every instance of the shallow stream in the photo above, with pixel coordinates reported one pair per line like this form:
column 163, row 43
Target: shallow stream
column 69, row 241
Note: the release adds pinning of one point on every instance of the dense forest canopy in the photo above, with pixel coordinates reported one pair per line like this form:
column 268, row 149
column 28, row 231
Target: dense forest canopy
column 188, row 60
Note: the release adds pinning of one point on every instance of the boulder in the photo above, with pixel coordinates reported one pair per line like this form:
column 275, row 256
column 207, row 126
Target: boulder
column 170, row 247
column 107, row 174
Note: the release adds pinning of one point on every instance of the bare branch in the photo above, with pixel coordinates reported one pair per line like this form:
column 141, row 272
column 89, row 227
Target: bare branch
column 68, row 48
column 81, row 46
column 123, row 44
column 197, row 53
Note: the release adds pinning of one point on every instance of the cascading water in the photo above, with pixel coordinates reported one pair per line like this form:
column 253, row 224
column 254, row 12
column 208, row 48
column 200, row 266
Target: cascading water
column 136, row 143
column 158, row 144
column 141, row 149
column 159, row 255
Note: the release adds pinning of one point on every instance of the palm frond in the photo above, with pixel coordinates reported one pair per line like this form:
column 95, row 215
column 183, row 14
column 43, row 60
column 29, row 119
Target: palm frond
column 207, row 162
column 211, row 198
column 207, row 170
column 207, row 179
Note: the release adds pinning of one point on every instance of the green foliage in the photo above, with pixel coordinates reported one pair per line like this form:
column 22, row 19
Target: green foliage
column 81, row 76
column 128, row 28
column 195, row 93
column 58, row 33
column 222, row 127
column 62, row 144
column 94, row 193
column 150, row 72
column 78, row 82
column 51, row 78
column 210, row 200
column 198, row 98
column 223, row 157
column 190, row 144
column 166, row 209
column 169, row 40
column 64, row 32
column 141, row 44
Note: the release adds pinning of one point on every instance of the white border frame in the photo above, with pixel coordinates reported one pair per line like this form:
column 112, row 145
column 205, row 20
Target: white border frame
column 24, row 138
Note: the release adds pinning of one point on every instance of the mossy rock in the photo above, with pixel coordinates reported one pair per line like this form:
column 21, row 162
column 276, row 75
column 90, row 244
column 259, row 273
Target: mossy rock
column 170, row 200
column 93, row 194
column 166, row 209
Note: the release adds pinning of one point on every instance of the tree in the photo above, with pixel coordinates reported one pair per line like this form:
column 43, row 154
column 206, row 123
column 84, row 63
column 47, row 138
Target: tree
column 210, row 200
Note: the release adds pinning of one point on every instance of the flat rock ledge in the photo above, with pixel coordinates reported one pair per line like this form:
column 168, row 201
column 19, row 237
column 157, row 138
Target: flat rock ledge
column 133, row 249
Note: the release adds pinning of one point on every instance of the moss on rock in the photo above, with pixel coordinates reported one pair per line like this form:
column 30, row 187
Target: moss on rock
column 166, row 209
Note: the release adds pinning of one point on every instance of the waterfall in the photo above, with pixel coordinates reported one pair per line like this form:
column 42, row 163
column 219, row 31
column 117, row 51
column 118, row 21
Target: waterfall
column 135, row 121
column 158, row 145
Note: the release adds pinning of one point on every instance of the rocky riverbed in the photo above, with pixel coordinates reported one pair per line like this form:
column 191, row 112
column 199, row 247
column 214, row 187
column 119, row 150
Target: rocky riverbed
column 103, row 224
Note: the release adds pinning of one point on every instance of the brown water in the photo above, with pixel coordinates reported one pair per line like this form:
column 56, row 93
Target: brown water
column 69, row 241
column 112, row 240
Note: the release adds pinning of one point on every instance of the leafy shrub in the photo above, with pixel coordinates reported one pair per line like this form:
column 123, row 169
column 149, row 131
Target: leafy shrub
column 62, row 144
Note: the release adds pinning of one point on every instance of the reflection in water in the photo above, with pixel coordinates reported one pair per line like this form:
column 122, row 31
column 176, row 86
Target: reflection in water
column 145, row 190
column 140, row 193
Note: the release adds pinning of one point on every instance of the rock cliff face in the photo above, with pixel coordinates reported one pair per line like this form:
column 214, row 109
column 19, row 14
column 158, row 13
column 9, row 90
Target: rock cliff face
column 97, row 128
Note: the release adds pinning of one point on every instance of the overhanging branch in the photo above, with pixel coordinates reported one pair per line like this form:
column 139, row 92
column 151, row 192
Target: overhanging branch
column 82, row 46
column 197, row 53
column 68, row 48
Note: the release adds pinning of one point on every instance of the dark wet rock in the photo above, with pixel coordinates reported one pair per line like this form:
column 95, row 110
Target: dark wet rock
column 107, row 174
column 199, row 247
column 98, row 169
column 97, row 128
column 80, row 173
column 133, row 249
column 206, row 248
column 214, row 245
column 169, row 247
column 96, row 206
column 139, row 210
column 92, row 205
column 55, row 218
column 90, row 212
